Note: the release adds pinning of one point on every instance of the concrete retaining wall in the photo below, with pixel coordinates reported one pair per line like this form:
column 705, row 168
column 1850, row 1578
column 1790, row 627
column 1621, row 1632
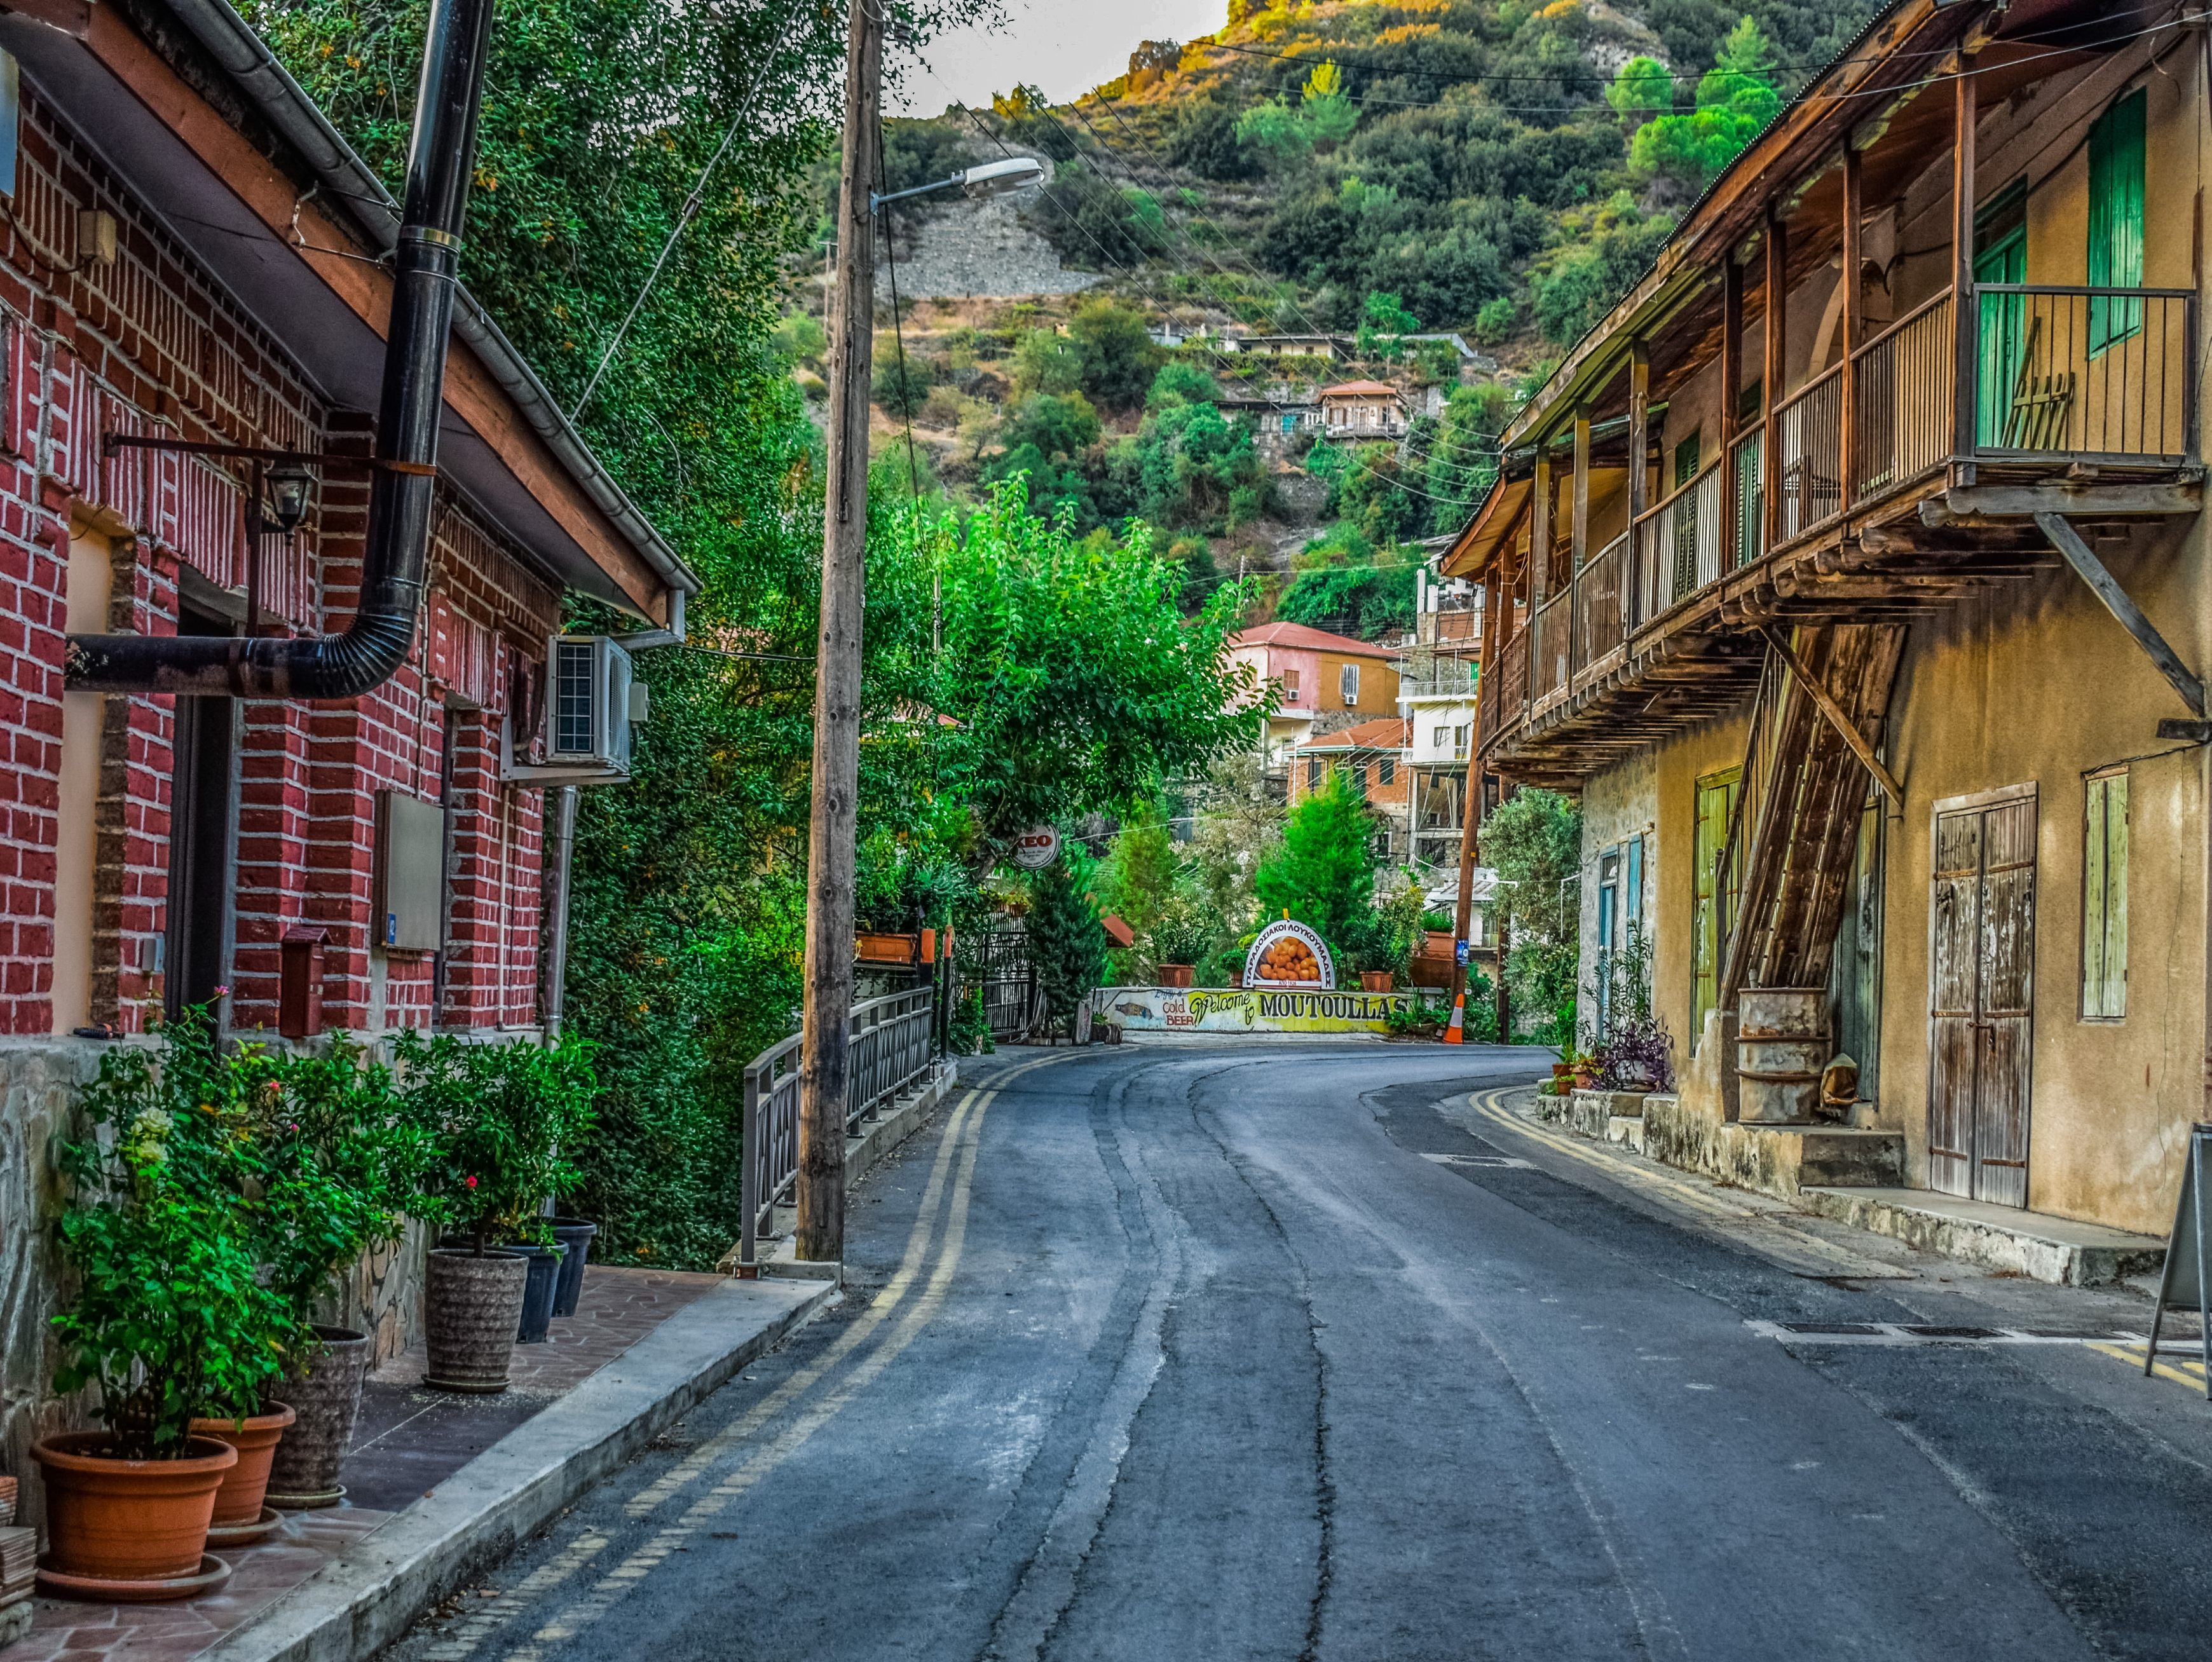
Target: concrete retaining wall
column 1776, row 1160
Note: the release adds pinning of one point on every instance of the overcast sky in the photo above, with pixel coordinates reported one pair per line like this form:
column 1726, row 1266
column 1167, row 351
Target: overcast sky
column 1065, row 46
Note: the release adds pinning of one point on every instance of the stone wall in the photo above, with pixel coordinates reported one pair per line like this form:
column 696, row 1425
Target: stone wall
column 38, row 1082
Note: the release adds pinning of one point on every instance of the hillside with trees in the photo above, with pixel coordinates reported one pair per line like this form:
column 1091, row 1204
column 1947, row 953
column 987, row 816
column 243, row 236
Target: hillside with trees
column 1484, row 169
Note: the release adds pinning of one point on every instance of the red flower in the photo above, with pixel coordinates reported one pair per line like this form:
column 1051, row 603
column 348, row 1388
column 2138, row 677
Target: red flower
column 471, row 1181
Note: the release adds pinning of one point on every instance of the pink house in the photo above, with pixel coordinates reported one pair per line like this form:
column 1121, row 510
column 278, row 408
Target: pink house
column 1324, row 680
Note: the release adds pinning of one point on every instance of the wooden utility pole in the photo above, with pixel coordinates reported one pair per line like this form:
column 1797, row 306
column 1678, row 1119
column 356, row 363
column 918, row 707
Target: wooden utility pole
column 826, row 1023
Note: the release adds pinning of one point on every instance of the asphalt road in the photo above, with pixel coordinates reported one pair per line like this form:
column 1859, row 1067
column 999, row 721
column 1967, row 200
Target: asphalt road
column 1191, row 1352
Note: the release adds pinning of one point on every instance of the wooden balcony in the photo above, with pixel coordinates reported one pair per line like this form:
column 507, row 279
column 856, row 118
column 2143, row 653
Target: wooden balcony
column 1894, row 481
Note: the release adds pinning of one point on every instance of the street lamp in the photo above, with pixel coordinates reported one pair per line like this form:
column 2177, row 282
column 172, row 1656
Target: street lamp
column 987, row 178
column 290, row 488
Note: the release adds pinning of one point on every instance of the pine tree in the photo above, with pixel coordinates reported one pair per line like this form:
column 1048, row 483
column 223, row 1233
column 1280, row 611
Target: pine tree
column 1323, row 873
column 1066, row 941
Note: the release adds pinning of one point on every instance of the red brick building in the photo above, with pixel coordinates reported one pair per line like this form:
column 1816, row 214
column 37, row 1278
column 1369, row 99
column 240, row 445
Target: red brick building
column 193, row 254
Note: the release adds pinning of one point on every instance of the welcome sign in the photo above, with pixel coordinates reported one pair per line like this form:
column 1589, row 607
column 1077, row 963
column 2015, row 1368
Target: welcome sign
column 1245, row 1010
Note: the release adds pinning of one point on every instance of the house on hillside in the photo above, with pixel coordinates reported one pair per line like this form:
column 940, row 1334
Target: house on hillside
column 1329, row 346
column 1851, row 572
column 1373, row 753
column 1324, row 681
column 1363, row 409
column 191, row 324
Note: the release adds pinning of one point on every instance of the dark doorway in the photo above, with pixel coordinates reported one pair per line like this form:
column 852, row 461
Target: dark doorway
column 201, row 814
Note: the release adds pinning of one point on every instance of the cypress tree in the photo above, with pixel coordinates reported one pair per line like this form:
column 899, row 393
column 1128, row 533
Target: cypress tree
column 1066, row 941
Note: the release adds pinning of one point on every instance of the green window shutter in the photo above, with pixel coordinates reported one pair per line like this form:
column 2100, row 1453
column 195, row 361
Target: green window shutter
column 2116, row 220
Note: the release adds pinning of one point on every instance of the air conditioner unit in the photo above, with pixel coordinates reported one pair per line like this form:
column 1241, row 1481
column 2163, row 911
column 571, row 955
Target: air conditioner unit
column 591, row 701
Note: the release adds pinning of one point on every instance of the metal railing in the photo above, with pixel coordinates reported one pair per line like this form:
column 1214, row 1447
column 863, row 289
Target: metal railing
column 1600, row 608
column 1677, row 548
column 2101, row 373
column 1809, row 432
column 1457, row 682
column 1551, row 632
column 890, row 1049
column 1901, row 399
column 1748, row 533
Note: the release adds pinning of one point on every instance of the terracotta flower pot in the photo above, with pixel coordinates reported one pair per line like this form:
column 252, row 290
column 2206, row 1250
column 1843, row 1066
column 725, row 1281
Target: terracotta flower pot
column 255, row 1437
column 1375, row 981
column 304, row 1475
column 1176, row 975
column 474, row 1308
column 128, row 1520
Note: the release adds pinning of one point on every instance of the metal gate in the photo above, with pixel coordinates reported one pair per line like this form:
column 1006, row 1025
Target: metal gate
column 1981, row 997
column 995, row 962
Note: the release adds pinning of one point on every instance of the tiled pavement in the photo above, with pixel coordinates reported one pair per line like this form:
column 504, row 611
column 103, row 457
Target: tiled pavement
column 408, row 1439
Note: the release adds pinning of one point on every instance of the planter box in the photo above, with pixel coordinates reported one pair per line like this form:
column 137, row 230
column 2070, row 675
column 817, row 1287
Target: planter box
column 1176, row 975
column 1375, row 981
column 889, row 949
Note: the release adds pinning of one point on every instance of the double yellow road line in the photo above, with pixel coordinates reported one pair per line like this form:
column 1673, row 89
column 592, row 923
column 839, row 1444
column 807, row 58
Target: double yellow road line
column 916, row 1293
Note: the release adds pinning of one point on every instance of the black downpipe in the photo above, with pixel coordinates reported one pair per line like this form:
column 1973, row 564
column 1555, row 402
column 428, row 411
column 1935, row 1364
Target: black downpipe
column 441, row 163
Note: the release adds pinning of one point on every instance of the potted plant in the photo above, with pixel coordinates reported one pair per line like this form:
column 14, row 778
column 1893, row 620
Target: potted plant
column 336, row 1155
column 1178, row 941
column 574, row 1236
column 490, row 1125
column 169, row 1315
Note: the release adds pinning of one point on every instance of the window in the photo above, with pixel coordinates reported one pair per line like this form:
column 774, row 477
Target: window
column 1386, row 771
column 1290, row 686
column 1717, row 893
column 1313, row 772
column 2116, row 220
column 1442, row 737
column 2105, row 898
column 1359, row 775
column 1347, row 684
column 1459, row 740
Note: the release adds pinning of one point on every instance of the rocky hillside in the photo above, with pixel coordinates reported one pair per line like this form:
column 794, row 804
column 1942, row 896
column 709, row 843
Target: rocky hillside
column 1359, row 170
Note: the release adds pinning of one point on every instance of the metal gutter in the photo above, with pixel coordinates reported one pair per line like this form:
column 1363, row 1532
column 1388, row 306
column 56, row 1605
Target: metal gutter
column 361, row 194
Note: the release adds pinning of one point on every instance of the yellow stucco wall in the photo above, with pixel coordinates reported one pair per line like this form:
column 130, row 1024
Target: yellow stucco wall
column 2039, row 685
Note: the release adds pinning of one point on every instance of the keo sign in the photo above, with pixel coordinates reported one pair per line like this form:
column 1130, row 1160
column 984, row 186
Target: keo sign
column 1036, row 848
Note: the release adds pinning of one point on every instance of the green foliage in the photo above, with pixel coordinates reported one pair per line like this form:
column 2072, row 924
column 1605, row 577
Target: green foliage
column 1368, row 603
column 1074, row 682
column 971, row 1027
column 1138, row 878
column 1494, row 321
column 1046, row 361
column 1617, row 245
column 1540, row 977
column 899, row 383
column 1236, row 826
column 1323, row 119
column 1534, row 840
column 1025, row 120
column 1184, row 933
column 1382, row 321
column 1179, row 378
column 169, row 1314
column 1062, row 424
column 1184, row 466
column 1323, row 873
column 1118, row 358
column 1067, row 943
column 1096, row 224
column 1736, row 101
column 1642, row 88
column 497, row 1129
column 1204, row 140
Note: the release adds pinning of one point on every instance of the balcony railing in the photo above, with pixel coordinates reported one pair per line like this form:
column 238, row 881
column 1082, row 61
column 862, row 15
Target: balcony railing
column 1455, row 680
column 1678, row 548
column 2098, row 375
column 1901, row 396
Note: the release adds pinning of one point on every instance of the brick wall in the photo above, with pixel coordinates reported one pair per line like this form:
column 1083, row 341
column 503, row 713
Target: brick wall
column 150, row 344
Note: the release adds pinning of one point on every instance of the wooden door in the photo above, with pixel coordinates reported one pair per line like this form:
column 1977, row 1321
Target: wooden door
column 1981, row 1001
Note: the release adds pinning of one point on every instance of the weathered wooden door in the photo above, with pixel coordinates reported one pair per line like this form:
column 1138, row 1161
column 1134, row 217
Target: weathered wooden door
column 1982, row 1000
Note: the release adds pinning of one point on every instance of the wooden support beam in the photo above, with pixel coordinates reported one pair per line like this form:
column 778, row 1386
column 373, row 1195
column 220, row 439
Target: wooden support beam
column 1640, row 428
column 2106, row 587
column 1544, row 502
column 1731, row 386
column 1975, row 505
column 1965, row 111
column 1854, row 320
column 1774, row 353
column 1837, row 718
column 1579, row 549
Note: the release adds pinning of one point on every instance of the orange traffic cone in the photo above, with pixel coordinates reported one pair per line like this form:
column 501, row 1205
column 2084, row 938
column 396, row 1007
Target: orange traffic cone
column 1452, row 1033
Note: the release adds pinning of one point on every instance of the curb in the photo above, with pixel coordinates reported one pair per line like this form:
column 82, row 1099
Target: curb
column 370, row 1594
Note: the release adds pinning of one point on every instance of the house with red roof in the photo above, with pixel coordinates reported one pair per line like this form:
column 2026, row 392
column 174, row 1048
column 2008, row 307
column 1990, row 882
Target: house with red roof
column 1324, row 681
column 1374, row 753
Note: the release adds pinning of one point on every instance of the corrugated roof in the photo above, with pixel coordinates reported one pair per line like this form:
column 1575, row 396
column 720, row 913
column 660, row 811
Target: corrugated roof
column 1384, row 733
